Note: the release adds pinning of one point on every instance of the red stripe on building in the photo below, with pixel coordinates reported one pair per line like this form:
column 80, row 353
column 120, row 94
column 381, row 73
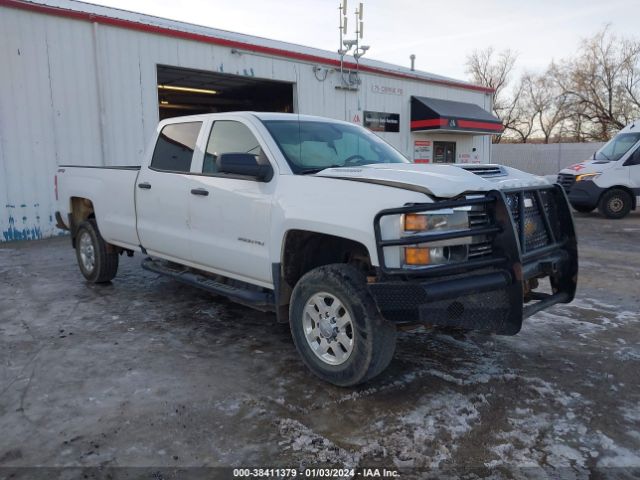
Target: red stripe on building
column 475, row 125
column 460, row 124
column 278, row 52
column 435, row 122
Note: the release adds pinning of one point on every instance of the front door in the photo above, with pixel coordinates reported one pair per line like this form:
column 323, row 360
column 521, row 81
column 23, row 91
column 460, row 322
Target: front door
column 634, row 173
column 162, row 193
column 231, row 216
column 444, row 152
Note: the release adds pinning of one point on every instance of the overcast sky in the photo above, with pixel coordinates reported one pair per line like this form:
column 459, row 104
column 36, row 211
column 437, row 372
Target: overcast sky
column 440, row 33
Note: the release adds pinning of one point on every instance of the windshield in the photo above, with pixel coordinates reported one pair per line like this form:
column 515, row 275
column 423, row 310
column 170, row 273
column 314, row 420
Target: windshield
column 615, row 148
column 313, row 146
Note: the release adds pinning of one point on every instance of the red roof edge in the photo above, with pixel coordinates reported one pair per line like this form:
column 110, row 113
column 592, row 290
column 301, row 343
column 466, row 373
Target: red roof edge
column 278, row 52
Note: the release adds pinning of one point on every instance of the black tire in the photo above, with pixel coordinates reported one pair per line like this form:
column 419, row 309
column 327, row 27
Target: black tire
column 583, row 208
column 374, row 338
column 105, row 264
column 615, row 203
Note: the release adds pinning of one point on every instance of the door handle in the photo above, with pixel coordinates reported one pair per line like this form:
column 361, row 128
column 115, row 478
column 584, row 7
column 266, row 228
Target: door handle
column 200, row 191
column 145, row 185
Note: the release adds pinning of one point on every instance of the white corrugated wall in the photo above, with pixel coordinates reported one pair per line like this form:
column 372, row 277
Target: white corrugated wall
column 542, row 159
column 75, row 92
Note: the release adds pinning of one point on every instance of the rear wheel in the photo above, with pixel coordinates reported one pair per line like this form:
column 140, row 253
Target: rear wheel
column 336, row 327
column 583, row 208
column 97, row 262
column 615, row 203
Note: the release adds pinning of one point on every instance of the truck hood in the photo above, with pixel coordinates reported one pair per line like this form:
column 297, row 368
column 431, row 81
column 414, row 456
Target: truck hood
column 588, row 166
column 443, row 181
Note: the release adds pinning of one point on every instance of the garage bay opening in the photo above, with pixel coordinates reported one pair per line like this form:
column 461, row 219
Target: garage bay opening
column 183, row 91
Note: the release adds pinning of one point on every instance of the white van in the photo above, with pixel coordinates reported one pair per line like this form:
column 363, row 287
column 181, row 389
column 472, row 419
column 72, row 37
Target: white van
column 609, row 181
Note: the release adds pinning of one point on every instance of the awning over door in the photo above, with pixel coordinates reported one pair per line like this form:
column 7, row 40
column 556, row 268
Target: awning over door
column 433, row 114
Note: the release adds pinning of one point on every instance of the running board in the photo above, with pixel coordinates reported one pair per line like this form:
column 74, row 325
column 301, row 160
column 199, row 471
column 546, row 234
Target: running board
column 183, row 274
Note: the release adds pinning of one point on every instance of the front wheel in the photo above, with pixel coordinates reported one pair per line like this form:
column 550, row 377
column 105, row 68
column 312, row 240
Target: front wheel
column 615, row 203
column 336, row 327
column 97, row 262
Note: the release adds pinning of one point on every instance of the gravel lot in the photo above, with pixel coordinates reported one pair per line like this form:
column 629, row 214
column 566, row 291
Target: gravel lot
column 149, row 372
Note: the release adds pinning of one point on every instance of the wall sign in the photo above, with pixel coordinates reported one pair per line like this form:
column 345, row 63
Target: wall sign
column 386, row 90
column 422, row 151
column 472, row 157
column 381, row 121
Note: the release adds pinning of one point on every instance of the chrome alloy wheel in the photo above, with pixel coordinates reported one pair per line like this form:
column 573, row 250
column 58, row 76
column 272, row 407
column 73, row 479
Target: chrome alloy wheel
column 328, row 328
column 87, row 252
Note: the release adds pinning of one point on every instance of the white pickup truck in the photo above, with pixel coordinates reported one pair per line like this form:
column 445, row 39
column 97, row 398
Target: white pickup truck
column 328, row 226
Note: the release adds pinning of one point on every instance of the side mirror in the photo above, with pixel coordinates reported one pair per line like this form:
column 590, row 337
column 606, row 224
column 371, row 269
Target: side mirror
column 245, row 164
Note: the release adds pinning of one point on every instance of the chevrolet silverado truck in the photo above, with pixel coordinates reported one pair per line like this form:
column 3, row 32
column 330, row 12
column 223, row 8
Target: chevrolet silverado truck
column 329, row 227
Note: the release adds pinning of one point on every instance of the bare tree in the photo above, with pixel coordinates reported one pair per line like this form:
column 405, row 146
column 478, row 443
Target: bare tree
column 601, row 85
column 588, row 96
column 524, row 114
column 493, row 69
column 548, row 102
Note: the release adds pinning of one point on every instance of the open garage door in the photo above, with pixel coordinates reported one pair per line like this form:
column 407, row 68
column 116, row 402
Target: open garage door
column 183, row 91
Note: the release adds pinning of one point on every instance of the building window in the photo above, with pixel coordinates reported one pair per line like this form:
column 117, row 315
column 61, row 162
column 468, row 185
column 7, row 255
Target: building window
column 444, row 152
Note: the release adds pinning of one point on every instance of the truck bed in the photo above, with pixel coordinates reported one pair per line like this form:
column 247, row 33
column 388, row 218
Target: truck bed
column 111, row 190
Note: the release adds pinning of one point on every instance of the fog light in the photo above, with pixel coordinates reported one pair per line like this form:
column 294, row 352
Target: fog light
column 421, row 256
column 416, row 256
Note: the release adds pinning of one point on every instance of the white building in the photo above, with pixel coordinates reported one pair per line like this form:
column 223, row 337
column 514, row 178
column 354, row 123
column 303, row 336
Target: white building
column 83, row 84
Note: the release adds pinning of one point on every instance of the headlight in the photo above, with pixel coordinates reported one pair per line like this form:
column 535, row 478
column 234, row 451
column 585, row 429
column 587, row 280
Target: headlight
column 440, row 251
column 438, row 220
column 587, row 176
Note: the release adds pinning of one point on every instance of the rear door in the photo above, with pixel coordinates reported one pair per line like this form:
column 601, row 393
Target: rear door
column 162, row 192
column 231, row 216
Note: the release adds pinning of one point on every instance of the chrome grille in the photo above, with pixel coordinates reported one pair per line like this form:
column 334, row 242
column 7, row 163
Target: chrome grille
column 480, row 249
column 481, row 246
column 566, row 181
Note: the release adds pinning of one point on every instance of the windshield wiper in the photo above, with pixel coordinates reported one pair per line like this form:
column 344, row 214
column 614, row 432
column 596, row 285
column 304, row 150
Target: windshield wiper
column 307, row 171
column 603, row 154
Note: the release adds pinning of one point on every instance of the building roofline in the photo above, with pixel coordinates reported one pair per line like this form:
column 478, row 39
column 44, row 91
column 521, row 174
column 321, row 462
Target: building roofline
column 117, row 18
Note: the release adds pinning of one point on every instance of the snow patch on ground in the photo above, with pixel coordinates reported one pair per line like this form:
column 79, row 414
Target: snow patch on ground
column 631, row 413
column 616, row 455
column 538, row 439
column 559, row 439
column 313, row 449
column 628, row 353
column 584, row 317
column 424, row 437
column 418, row 439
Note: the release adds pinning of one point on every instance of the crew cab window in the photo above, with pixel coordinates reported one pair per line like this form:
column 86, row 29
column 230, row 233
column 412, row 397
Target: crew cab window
column 175, row 146
column 230, row 137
